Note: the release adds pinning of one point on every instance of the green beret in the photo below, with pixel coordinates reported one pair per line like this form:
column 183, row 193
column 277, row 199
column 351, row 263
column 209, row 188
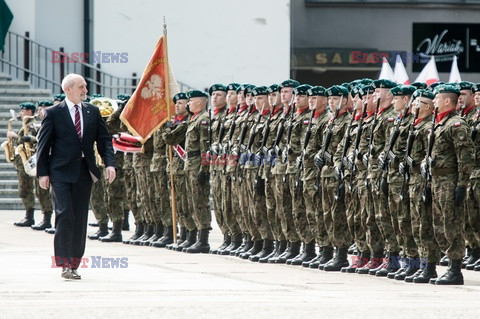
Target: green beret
column 242, row 87
column 289, row 84
column 476, row 88
column 301, row 89
column 364, row 90
column 196, row 93
column 420, row 85
column 434, row 85
column 45, row 103
column 424, row 93
column 59, row 97
column 402, row 90
column 346, row 85
column 180, row 96
column 447, row 88
column 353, row 84
column 365, row 81
column 465, row 85
column 217, row 87
column 248, row 89
column 27, row 106
column 233, row 87
column 337, row 90
column 354, row 90
column 123, row 97
column 384, row 84
column 317, row 91
column 273, row 88
column 259, row 90
column 96, row 96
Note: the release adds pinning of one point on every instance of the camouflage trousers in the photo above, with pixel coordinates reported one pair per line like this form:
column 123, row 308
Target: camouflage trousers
column 248, row 206
column 399, row 209
column 198, row 201
column 216, row 179
column 183, row 214
column 272, row 209
column 237, row 203
column 258, row 207
column 44, row 197
column 374, row 237
column 97, row 199
column 336, row 214
column 356, row 214
column 472, row 216
column 387, row 223
column 314, row 212
column 161, row 195
column 448, row 218
column 422, row 227
column 282, row 195
column 299, row 211
column 228, row 207
column 25, row 187
column 131, row 195
column 145, row 194
column 115, row 197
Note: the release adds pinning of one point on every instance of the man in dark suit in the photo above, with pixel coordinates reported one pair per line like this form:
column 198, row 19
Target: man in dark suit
column 66, row 160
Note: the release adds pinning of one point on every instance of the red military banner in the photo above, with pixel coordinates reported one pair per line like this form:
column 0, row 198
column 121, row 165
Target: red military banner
column 151, row 104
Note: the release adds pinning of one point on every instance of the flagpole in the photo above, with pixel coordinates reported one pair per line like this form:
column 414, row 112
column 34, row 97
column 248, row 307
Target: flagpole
column 170, row 153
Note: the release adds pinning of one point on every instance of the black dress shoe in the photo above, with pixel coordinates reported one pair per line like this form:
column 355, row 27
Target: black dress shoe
column 50, row 230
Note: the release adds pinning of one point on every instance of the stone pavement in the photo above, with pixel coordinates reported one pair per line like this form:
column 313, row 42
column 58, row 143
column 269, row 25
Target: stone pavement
column 159, row 283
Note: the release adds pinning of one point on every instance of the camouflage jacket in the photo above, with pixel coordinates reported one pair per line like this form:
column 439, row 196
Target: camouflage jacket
column 339, row 127
column 175, row 135
column 276, row 166
column 299, row 124
column 319, row 124
column 196, row 142
column 419, row 147
column 218, row 121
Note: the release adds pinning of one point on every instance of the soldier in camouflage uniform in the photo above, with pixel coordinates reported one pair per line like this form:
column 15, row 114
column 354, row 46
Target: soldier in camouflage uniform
column 175, row 136
column 317, row 102
column 451, row 165
column 473, row 196
column 26, row 182
column 98, row 203
column 197, row 169
column 218, row 96
column 230, row 204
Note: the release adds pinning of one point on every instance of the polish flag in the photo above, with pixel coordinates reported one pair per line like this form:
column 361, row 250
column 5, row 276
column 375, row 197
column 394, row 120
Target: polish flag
column 400, row 73
column 429, row 73
column 454, row 72
column 386, row 72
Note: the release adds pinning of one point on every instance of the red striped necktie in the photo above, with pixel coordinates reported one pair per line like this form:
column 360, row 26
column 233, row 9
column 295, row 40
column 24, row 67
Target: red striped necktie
column 78, row 124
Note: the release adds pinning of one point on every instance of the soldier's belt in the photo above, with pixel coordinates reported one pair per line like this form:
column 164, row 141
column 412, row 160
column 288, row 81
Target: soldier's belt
column 444, row 171
column 193, row 154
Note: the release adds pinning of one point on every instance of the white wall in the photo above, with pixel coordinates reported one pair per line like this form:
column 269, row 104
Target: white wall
column 23, row 16
column 210, row 41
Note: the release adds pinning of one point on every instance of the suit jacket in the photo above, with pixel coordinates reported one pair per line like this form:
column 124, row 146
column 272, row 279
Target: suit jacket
column 59, row 148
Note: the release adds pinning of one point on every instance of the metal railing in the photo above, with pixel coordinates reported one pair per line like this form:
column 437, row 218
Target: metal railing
column 27, row 60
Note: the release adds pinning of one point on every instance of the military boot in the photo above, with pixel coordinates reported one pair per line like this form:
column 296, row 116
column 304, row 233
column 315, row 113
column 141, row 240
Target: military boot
column 307, row 255
column 242, row 245
column 290, row 253
column 412, row 266
column 166, row 239
column 469, row 264
column 444, row 261
column 326, row 257
column 101, row 232
column 180, row 239
column 267, row 249
column 256, row 248
column 147, row 233
column 453, row 276
column 116, row 235
column 201, row 246
column 191, row 239
column 428, row 273
column 46, row 223
column 125, row 225
column 357, row 262
column 138, row 232
column 28, row 220
column 235, row 242
column 352, row 250
column 226, row 242
column 375, row 261
column 248, row 245
column 392, row 265
column 339, row 261
column 315, row 262
column 276, row 246
column 283, row 246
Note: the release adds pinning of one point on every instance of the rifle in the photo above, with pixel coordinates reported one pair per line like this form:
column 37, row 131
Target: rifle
column 427, row 191
column 274, row 152
column 350, row 164
column 263, row 151
column 474, row 129
column 306, row 140
column 243, row 132
column 366, row 157
column 228, row 148
column 210, row 118
column 344, row 161
column 289, row 135
column 327, row 157
column 408, row 162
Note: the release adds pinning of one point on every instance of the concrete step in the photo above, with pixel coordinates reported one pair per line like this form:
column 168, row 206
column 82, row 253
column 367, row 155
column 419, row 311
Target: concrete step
column 8, row 193
column 20, row 99
column 15, row 203
column 5, row 77
column 13, row 84
column 4, row 166
column 8, row 175
column 24, row 92
column 8, row 183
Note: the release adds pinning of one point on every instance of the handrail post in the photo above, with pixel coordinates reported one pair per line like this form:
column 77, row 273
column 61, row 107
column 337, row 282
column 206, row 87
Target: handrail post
column 98, row 79
column 26, row 56
column 62, row 66
column 134, row 81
